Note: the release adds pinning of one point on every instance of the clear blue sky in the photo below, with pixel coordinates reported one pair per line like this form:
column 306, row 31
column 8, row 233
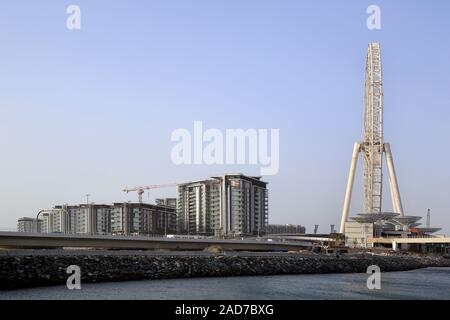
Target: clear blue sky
column 91, row 111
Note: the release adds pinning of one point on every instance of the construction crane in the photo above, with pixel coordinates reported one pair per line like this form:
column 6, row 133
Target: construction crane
column 141, row 190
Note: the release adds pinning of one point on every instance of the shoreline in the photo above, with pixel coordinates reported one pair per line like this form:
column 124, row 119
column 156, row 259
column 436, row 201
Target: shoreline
column 25, row 269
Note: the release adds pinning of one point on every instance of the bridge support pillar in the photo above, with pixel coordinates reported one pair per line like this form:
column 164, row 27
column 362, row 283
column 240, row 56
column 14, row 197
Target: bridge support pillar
column 394, row 245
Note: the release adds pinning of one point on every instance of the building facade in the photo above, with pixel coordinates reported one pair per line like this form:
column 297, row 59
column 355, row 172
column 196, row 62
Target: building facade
column 142, row 219
column 232, row 205
column 169, row 202
column 198, row 207
column 99, row 219
column 54, row 221
column 85, row 219
column 29, row 225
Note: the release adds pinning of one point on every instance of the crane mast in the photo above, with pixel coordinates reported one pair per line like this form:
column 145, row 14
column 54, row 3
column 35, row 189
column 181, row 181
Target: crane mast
column 141, row 190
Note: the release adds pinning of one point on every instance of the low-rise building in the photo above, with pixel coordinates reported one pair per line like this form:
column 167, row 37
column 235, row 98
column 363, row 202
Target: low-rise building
column 119, row 218
column 364, row 226
column 53, row 221
column 356, row 234
column 142, row 219
column 285, row 229
column 169, row 202
column 28, row 225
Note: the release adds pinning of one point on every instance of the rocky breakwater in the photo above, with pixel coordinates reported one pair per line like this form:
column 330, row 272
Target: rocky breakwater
column 30, row 270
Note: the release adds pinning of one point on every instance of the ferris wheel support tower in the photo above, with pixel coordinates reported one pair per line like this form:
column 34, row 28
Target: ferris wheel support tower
column 372, row 147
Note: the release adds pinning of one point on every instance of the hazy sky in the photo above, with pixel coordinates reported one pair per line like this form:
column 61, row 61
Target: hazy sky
column 92, row 110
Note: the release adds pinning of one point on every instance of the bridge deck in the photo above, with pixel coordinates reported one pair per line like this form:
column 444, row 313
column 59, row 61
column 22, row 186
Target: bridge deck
column 42, row 240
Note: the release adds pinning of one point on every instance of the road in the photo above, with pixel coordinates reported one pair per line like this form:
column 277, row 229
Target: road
column 52, row 241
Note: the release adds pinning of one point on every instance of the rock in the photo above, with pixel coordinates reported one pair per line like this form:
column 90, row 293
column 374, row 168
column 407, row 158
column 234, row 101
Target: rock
column 36, row 270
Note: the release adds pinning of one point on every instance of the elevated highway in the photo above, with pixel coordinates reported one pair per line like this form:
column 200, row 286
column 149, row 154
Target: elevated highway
column 318, row 238
column 52, row 241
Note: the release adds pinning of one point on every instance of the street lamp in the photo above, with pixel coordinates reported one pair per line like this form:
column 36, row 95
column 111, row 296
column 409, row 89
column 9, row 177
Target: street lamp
column 47, row 211
column 165, row 223
column 37, row 221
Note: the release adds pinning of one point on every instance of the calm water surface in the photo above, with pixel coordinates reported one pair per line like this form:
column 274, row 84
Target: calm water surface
column 430, row 283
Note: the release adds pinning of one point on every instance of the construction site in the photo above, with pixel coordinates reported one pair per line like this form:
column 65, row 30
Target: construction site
column 235, row 206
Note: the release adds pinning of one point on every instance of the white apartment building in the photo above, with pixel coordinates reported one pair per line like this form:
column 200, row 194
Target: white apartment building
column 143, row 219
column 230, row 205
column 54, row 222
column 28, row 225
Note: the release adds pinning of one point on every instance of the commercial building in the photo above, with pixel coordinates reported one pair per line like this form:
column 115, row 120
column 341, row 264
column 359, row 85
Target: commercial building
column 357, row 234
column 230, row 205
column 366, row 226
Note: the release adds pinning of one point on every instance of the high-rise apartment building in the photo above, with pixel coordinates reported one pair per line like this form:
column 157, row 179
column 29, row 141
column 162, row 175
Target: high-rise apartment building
column 85, row 219
column 230, row 205
column 198, row 207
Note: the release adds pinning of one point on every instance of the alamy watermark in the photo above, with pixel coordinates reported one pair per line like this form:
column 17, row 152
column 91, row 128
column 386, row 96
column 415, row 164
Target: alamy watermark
column 73, row 21
column 373, row 22
column 74, row 280
column 374, row 280
column 234, row 146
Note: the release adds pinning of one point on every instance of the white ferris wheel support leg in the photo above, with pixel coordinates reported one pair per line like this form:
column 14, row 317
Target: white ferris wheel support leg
column 348, row 191
column 395, row 192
